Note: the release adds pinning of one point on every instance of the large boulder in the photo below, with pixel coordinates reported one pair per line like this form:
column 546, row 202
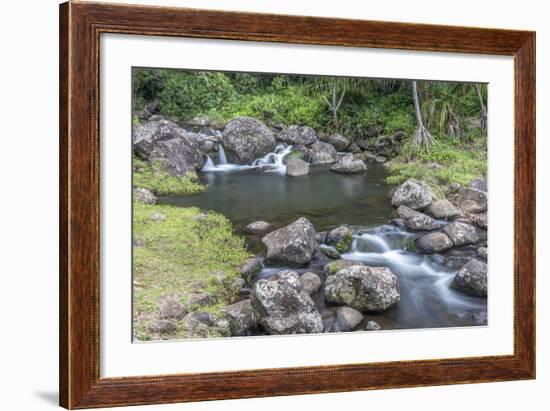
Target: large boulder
column 413, row 194
column 322, row 153
column 293, row 245
column 443, row 209
column 472, row 278
column 241, row 318
column 461, row 233
column 341, row 238
column 298, row 135
column 339, row 142
column 363, row 288
column 165, row 142
column 282, row 306
column 349, row 164
column 467, row 199
column 433, row 243
column 246, row 139
column 296, row 167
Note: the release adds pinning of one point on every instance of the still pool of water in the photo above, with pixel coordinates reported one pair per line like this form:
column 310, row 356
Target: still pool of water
column 328, row 200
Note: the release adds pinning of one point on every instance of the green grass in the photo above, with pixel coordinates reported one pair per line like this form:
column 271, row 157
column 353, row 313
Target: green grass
column 449, row 161
column 153, row 177
column 179, row 257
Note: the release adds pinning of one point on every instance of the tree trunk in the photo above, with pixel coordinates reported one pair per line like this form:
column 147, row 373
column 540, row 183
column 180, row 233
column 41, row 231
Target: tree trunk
column 419, row 122
column 482, row 107
column 335, row 104
column 422, row 139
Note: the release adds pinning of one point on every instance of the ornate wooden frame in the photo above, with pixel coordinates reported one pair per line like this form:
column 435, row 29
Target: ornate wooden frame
column 80, row 27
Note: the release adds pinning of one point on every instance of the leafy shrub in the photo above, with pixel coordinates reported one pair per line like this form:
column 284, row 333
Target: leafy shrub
column 186, row 94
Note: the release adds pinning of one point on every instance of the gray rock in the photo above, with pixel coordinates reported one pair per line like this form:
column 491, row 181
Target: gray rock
column 322, row 153
column 170, row 307
column 363, row 288
column 162, row 327
column 238, row 284
column 241, row 318
column 413, row 194
column 421, row 222
column 472, row 279
column 433, row 243
column 461, row 233
column 282, row 306
column 349, row 164
column 341, row 238
column 478, row 219
column 258, row 227
column 200, row 324
column 165, row 142
column 479, row 184
column 252, row 266
column 367, row 157
column 365, row 144
column 330, row 251
column 469, row 200
column 415, row 220
column 298, row 135
column 405, row 212
column 200, row 299
column 246, row 139
column 311, row 282
column 372, row 326
column 339, row 142
column 482, row 253
column 296, row 167
column 443, row 209
column 335, row 266
column 347, row 318
column 157, row 217
column 144, row 196
column 354, row 148
column 293, row 245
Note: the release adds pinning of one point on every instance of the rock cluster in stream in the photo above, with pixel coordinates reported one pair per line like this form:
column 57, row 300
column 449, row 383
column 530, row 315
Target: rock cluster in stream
column 185, row 146
column 455, row 228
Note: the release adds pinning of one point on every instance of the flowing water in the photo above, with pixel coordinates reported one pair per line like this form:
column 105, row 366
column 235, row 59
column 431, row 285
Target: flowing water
column 261, row 191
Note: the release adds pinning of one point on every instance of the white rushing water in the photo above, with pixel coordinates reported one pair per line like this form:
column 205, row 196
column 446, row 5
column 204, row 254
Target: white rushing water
column 271, row 162
column 386, row 246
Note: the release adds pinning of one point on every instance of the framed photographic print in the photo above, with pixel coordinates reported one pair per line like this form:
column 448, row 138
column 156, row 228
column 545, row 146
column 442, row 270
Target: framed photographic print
column 259, row 205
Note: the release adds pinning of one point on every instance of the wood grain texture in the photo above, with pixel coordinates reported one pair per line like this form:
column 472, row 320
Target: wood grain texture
column 80, row 27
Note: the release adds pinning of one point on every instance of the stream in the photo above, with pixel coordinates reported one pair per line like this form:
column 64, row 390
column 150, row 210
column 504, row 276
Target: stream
column 261, row 191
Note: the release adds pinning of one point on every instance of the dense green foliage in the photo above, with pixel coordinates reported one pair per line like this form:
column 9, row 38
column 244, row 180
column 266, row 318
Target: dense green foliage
column 350, row 106
column 448, row 161
column 152, row 176
column 180, row 256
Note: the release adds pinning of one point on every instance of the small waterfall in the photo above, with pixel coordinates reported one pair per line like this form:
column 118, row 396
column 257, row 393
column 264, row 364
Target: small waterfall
column 222, row 159
column 370, row 242
column 209, row 164
column 271, row 161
